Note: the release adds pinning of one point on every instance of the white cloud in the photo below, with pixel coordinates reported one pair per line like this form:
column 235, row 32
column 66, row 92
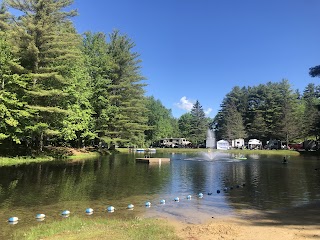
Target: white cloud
column 185, row 104
column 208, row 111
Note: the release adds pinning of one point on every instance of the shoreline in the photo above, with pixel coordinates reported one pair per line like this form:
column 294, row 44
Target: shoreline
column 296, row 223
column 83, row 154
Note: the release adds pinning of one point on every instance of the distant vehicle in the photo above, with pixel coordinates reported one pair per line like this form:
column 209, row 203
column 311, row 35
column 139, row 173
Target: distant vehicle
column 172, row 143
column 223, row 145
column 237, row 143
column 273, row 144
column 296, row 146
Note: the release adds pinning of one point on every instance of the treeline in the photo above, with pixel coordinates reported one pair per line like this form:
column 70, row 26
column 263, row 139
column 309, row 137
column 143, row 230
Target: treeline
column 58, row 88
column 270, row 111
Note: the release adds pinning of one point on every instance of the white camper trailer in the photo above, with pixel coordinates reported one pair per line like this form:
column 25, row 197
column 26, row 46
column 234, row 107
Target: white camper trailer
column 237, row 143
column 223, row 145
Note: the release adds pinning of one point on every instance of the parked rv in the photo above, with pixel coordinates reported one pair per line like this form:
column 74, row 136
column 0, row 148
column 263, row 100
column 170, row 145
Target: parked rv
column 237, row 143
column 172, row 143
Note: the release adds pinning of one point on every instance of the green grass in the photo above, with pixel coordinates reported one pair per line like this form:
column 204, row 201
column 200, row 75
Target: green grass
column 84, row 156
column 77, row 228
column 7, row 161
column 10, row 161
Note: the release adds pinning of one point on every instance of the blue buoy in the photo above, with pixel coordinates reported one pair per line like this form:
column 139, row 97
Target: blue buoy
column 89, row 211
column 218, row 191
column 162, row 201
column 13, row 220
column 189, row 197
column 176, row 199
column 65, row 213
column 40, row 216
column 130, row 206
column 110, row 209
column 200, row 195
column 148, row 204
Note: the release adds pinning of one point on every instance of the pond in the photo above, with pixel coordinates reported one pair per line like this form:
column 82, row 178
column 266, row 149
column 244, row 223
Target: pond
column 259, row 182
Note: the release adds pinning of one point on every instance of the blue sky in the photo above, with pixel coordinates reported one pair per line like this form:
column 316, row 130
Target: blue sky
column 200, row 49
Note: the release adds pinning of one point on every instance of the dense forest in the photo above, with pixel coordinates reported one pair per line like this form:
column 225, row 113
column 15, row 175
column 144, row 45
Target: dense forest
column 60, row 88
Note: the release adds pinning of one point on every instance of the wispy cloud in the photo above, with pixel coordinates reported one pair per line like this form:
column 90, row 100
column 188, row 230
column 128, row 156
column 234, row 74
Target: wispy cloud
column 187, row 105
column 208, row 111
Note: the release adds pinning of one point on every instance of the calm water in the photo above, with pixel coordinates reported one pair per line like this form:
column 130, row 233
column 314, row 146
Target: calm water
column 118, row 181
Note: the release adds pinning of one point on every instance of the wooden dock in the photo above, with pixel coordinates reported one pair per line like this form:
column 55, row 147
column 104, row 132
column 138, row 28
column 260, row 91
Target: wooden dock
column 153, row 160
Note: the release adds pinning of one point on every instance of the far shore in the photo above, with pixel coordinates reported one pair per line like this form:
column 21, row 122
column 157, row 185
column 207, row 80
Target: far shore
column 81, row 154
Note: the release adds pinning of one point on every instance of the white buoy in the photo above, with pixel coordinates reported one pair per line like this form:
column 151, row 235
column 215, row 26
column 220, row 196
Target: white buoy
column 130, row 206
column 189, row 197
column 40, row 216
column 148, row 204
column 89, row 211
column 110, row 209
column 176, row 199
column 200, row 195
column 13, row 220
column 65, row 213
column 162, row 201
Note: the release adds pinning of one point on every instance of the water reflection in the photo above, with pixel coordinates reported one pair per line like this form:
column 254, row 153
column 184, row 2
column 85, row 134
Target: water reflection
column 118, row 180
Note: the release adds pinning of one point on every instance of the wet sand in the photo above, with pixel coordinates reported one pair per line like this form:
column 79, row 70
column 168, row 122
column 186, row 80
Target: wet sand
column 286, row 224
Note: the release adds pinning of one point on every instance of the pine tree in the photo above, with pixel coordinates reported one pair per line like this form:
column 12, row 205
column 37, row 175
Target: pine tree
column 100, row 65
column 128, row 113
column 199, row 124
column 233, row 127
column 46, row 44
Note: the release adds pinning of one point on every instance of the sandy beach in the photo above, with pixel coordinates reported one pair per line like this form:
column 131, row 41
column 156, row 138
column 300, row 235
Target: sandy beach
column 294, row 223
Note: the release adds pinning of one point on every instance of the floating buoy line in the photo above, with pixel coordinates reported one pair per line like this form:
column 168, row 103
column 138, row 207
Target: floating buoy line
column 111, row 209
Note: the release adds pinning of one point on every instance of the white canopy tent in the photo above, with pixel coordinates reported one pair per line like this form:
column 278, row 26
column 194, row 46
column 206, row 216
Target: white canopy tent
column 254, row 144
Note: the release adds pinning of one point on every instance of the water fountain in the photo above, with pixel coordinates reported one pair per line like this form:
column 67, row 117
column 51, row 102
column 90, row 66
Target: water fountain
column 211, row 139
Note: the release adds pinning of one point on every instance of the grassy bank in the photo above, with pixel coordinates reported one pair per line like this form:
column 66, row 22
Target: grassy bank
column 77, row 228
column 78, row 156
column 236, row 151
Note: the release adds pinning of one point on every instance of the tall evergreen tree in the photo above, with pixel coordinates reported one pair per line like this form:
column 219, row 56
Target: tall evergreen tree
column 290, row 115
column 199, row 124
column 311, row 117
column 128, row 114
column 233, row 127
column 100, row 65
column 45, row 43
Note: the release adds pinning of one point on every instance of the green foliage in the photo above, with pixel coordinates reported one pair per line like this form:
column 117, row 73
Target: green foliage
column 128, row 119
column 199, row 124
column 160, row 121
column 267, row 111
column 233, row 124
column 314, row 71
column 12, row 112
